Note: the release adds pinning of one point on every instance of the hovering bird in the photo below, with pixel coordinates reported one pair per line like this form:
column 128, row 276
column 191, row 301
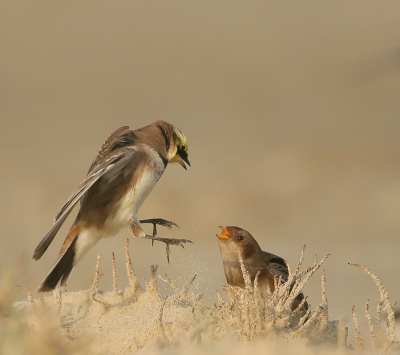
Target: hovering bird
column 270, row 266
column 121, row 177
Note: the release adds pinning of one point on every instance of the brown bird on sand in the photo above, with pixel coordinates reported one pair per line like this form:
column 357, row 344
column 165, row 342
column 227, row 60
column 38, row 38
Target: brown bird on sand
column 122, row 175
column 255, row 260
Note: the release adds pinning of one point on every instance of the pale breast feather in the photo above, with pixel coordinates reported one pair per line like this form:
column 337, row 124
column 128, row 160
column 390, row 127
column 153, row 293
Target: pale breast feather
column 142, row 183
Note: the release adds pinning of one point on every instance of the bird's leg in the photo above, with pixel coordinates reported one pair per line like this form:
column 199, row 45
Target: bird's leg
column 167, row 241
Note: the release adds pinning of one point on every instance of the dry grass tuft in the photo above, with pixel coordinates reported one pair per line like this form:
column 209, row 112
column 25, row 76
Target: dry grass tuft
column 138, row 320
column 250, row 315
column 27, row 327
column 382, row 340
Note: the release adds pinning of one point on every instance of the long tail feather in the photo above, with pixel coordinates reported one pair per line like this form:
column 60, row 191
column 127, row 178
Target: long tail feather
column 46, row 241
column 61, row 270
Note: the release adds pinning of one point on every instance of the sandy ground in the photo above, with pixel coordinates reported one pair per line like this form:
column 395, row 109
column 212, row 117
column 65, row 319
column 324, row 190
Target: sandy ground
column 138, row 320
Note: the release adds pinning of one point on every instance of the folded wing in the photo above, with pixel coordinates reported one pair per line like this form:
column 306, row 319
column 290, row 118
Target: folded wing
column 110, row 166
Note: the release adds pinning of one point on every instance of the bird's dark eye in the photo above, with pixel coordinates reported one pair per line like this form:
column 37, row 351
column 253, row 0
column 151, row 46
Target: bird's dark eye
column 240, row 237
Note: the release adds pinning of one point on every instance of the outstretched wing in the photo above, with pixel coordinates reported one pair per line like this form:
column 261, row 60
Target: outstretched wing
column 110, row 166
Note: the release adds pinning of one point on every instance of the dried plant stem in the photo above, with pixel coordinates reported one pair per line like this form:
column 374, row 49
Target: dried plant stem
column 370, row 325
column 311, row 322
column 167, row 280
column 246, row 275
column 220, row 300
column 324, row 318
column 359, row 339
column 94, row 288
column 160, row 319
column 305, row 317
column 299, row 285
column 151, row 287
column 257, row 303
column 114, row 274
column 379, row 316
column 386, row 301
column 30, row 299
column 186, row 287
column 342, row 336
column 303, row 251
column 284, row 291
column 132, row 279
column 324, row 296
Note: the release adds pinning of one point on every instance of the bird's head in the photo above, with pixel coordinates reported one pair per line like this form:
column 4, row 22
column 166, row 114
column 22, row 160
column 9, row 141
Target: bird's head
column 237, row 238
column 178, row 151
column 168, row 141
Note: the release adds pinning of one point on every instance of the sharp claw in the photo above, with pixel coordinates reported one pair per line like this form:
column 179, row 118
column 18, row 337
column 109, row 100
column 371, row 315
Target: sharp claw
column 168, row 242
column 170, row 225
column 168, row 252
column 159, row 221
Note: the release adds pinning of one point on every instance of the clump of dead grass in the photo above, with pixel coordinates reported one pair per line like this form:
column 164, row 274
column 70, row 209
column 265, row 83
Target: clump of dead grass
column 384, row 338
column 17, row 335
column 251, row 315
column 139, row 320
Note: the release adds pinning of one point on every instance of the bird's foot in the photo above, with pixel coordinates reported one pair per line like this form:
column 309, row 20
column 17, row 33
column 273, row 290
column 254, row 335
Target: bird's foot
column 159, row 221
column 168, row 242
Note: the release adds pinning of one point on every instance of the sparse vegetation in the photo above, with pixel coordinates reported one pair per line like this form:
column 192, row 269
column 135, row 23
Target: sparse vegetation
column 136, row 320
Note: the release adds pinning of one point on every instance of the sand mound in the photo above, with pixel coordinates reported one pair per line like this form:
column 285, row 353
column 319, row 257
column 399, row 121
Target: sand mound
column 136, row 320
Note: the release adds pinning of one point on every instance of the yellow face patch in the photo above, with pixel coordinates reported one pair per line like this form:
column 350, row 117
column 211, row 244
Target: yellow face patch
column 180, row 140
column 181, row 148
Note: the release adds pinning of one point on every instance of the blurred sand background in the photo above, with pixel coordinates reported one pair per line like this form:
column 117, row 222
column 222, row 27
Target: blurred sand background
column 291, row 110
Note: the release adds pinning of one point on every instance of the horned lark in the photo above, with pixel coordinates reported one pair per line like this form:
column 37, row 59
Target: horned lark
column 120, row 178
column 234, row 239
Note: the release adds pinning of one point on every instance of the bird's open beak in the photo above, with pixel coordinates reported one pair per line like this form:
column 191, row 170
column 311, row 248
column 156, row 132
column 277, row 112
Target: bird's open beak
column 183, row 161
column 225, row 233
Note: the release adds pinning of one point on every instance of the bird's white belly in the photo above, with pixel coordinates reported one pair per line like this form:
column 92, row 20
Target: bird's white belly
column 128, row 208
column 86, row 239
column 135, row 197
